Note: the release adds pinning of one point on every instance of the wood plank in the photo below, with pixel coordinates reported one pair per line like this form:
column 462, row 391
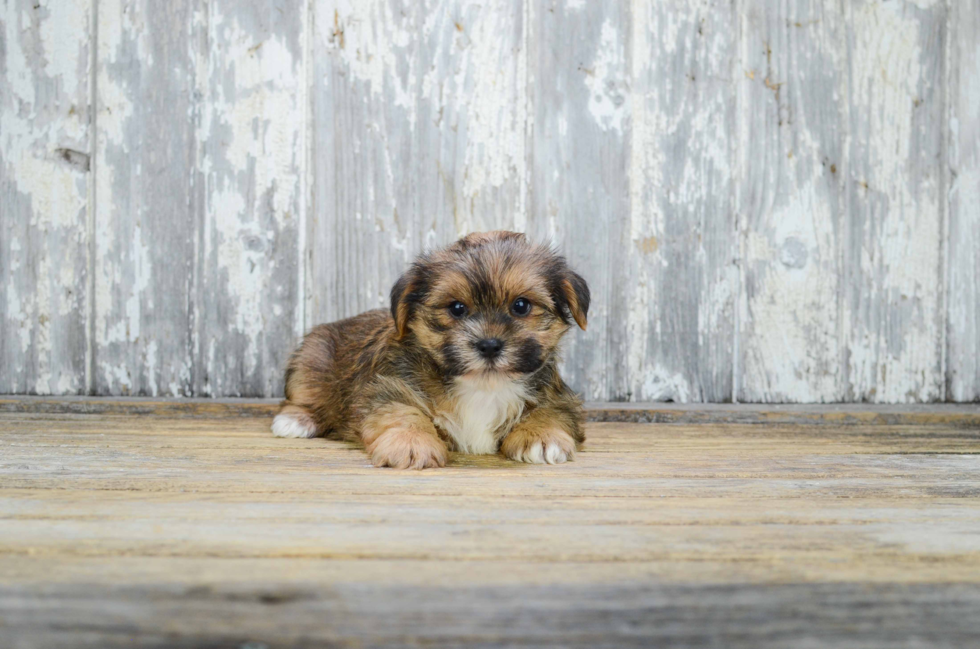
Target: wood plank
column 579, row 84
column 681, row 246
column 178, row 440
column 419, row 118
column 791, row 166
column 963, row 319
column 652, row 530
column 253, row 136
column 731, row 460
column 147, row 188
column 272, row 574
column 500, row 539
column 954, row 415
column 638, row 615
column 364, row 227
column 636, row 492
column 45, row 206
column 113, row 527
column 892, row 313
column 471, row 161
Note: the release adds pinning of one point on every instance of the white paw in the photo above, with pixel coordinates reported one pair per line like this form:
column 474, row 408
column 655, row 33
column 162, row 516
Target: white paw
column 293, row 425
column 535, row 446
column 544, row 453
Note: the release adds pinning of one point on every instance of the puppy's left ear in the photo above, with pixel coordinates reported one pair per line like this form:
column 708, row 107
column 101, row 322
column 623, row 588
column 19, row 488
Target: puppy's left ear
column 404, row 296
column 576, row 297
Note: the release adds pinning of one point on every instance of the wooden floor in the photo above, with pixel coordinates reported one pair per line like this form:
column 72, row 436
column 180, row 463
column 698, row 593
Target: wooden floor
column 195, row 531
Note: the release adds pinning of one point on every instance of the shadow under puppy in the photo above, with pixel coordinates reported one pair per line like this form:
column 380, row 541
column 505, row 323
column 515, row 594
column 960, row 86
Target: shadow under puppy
column 466, row 359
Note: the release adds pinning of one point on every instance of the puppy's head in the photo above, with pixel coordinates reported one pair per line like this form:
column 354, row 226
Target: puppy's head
column 491, row 303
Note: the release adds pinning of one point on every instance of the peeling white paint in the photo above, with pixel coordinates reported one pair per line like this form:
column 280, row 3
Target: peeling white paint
column 792, row 315
column 475, row 80
column 18, row 319
column 659, row 386
column 608, row 81
column 43, row 112
column 118, row 377
column 963, row 303
column 368, row 37
column 495, row 151
column 682, row 291
column 898, row 363
column 60, row 49
column 254, row 165
column 790, row 202
column 448, row 85
column 150, row 363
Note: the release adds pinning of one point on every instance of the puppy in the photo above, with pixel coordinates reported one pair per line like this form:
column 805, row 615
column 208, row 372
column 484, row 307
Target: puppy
column 465, row 360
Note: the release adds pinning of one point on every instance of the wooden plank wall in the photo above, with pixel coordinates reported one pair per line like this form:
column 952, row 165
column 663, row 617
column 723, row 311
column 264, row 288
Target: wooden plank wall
column 46, row 142
column 772, row 201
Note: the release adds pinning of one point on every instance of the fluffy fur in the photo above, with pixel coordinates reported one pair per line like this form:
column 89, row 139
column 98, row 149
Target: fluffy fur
column 481, row 411
column 465, row 360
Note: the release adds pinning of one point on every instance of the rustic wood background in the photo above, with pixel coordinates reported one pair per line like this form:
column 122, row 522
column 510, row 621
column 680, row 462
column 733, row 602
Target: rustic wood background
column 772, row 201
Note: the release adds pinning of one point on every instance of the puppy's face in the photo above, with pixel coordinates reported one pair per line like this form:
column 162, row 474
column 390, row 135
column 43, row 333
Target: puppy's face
column 491, row 303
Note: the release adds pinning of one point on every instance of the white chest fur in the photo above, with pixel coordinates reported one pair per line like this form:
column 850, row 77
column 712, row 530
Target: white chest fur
column 481, row 411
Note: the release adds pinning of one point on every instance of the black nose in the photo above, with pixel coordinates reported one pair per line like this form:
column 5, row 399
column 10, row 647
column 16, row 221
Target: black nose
column 490, row 347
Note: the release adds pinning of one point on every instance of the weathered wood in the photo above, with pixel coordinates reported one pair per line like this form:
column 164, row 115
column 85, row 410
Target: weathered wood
column 682, row 278
column 45, row 206
column 253, row 135
column 419, row 116
column 961, row 416
column 772, row 201
column 146, row 184
column 285, row 614
column 735, row 464
column 791, row 88
column 470, row 168
column 579, row 85
column 365, row 211
column 963, row 319
column 143, row 531
column 892, row 302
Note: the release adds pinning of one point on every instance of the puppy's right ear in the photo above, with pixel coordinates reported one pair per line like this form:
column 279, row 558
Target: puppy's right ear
column 577, row 298
column 404, row 296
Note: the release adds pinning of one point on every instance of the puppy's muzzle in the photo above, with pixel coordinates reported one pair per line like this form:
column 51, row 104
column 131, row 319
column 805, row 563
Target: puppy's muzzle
column 489, row 348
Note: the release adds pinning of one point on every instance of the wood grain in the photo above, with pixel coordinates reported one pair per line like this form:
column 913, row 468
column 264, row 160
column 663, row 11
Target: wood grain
column 146, row 184
column 653, row 614
column 791, row 135
column 248, row 307
column 45, row 202
column 953, row 415
column 892, row 306
column 419, row 118
column 364, row 224
column 579, row 134
column 682, row 279
column 470, row 168
column 155, row 531
column 963, row 263
column 773, row 202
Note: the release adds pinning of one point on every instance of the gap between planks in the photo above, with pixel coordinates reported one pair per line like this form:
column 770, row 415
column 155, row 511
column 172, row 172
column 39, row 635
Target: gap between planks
column 958, row 415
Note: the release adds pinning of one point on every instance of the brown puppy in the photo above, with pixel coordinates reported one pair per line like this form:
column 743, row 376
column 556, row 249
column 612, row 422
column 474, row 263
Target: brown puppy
column 466, row 359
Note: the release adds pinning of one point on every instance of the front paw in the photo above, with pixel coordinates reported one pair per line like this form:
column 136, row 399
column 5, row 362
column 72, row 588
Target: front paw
column 539, row 446
column 408, row 448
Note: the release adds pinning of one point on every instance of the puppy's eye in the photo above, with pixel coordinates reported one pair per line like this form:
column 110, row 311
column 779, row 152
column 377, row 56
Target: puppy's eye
column 521, row 307
column 457, row 309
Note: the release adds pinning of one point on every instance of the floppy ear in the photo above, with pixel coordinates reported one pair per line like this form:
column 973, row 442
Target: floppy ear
column 574, row 297
column 404, row 296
